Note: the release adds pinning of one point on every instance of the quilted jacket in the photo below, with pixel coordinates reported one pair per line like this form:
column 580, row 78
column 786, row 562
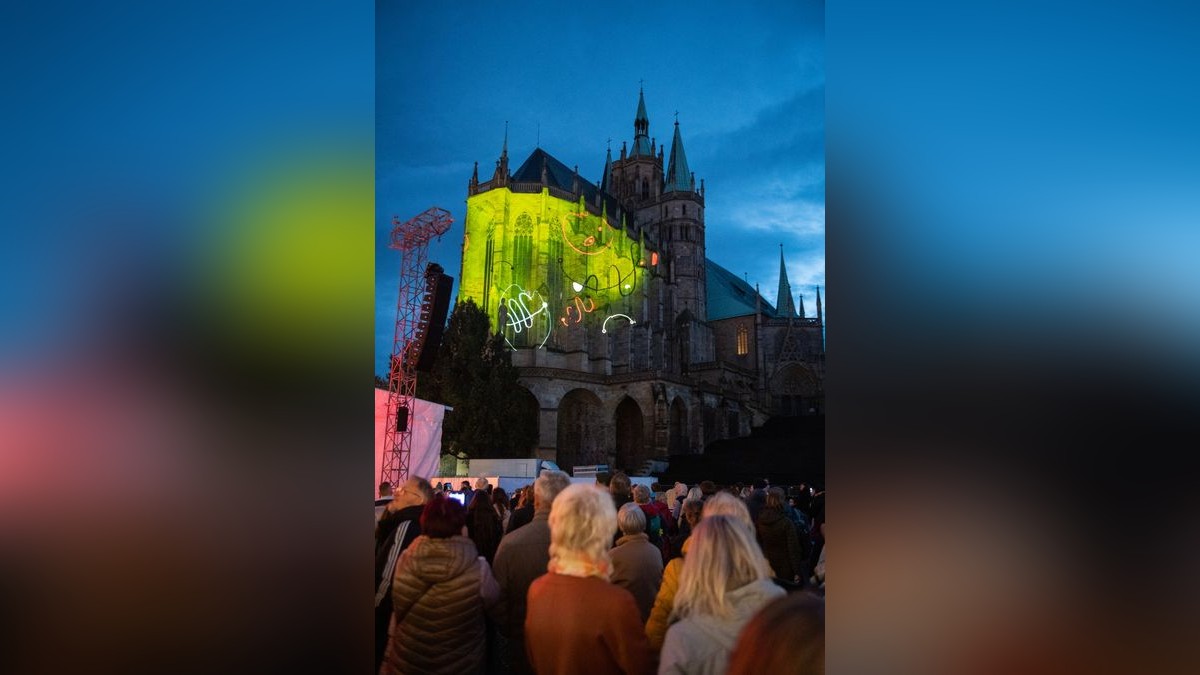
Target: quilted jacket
column 439, row 595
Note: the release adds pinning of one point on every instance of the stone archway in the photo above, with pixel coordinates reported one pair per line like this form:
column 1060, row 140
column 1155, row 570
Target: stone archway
column 631, row 445
column 580, row 430
column 793, row 388
column 529, row 409
column 678, row 444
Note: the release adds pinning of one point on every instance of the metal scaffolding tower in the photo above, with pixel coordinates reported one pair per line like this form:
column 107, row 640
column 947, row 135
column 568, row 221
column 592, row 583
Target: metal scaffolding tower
column 412, row 239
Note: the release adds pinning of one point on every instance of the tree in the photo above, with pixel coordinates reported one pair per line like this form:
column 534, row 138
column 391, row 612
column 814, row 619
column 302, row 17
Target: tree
column 474, row 375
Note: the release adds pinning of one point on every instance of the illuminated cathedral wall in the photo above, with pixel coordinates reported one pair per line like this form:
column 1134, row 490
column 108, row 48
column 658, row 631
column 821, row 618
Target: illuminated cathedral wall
column 547, row 271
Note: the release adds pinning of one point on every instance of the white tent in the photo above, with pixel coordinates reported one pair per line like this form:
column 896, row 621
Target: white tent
column 426, row 424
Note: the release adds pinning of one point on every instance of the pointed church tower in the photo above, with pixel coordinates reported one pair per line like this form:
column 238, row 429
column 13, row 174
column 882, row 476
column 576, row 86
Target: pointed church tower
column 500, row 177
column 641, row 130
column 819, row 316
column 679, row 179
column 606, row 183
column 801, row 307
column 637, row 177
column 783, row 299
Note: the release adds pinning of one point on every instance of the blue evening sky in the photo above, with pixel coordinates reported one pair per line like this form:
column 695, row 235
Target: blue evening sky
column 748, row 83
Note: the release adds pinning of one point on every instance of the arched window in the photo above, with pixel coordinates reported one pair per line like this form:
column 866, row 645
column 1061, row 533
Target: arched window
column 743, row 341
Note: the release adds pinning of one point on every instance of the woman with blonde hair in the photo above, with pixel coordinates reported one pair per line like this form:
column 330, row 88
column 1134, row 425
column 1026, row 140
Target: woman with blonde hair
column 576, row 620
column 720, row 504
column 725, row 581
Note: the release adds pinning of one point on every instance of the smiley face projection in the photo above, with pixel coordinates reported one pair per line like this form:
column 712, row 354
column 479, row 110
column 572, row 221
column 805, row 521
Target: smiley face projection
column 540, row 265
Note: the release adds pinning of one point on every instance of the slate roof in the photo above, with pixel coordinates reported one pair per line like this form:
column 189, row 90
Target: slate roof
column 729, row 295
column 561, row 176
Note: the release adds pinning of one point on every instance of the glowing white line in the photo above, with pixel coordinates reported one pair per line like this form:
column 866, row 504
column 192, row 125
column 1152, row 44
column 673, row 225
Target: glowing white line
column 604, row 326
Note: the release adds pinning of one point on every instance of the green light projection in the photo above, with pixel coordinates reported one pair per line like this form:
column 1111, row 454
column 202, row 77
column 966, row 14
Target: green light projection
column 546, row 269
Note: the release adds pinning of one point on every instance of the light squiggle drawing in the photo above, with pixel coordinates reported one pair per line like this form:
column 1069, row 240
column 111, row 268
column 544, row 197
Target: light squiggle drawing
column 604, row 326
column 519, row 316
column 580, row 308
column 589, row 241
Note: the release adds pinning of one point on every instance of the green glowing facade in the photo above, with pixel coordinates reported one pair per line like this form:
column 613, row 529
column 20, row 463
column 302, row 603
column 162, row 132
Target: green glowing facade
column 632, row 344
column 546, row 269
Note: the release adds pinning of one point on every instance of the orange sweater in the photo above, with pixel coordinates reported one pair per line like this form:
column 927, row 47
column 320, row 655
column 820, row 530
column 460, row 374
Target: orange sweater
column 584, row 626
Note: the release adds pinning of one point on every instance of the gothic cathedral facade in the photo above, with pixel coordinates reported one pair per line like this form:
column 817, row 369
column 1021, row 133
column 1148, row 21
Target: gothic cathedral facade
column 632, row 343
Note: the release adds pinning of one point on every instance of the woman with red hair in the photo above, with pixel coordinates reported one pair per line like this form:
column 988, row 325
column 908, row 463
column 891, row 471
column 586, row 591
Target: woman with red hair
column 442, row 587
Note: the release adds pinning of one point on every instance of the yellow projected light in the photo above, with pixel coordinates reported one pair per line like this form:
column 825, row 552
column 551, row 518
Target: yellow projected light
column 544, row 267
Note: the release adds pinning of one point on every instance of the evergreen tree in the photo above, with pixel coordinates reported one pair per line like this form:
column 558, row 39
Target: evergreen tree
column 474, row 375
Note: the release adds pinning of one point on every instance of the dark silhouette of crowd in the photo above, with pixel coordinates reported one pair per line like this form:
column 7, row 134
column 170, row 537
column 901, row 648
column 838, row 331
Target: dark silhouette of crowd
column 602, row 576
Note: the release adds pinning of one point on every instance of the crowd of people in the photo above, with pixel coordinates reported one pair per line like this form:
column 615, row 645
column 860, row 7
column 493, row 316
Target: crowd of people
column 603, row 577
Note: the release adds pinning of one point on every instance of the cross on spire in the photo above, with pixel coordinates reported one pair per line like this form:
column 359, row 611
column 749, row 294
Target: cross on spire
column 676, row 117
column 640, row 85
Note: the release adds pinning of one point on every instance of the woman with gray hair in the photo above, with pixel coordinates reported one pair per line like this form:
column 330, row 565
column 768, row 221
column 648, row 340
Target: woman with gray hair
column 637, row 564
column 577, row 620
column 724, row 583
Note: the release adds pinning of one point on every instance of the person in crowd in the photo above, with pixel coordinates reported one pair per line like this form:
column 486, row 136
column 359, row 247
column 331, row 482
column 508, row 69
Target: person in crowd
column 441, row 590
column 696, row 493
column 468, row 492
column 523, row 556
column 817, row 535
column 707, row 489
column 725, row 581
column 578, row 622
column 676, row 500
column 385, row 496
column 523, row 513
column 723, row 504
column 757, row 498
column 483, row 525
column 502, row 507
column 637, row 563
column 779, row 540
column 397, row 528
column 787, row 637
column 688, row 519
column 621, row 489
column 659, row 523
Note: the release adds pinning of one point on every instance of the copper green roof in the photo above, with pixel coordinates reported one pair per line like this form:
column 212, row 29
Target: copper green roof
column 729, row 296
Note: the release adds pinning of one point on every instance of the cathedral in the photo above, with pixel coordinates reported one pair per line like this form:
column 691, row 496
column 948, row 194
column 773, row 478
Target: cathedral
column 632, row 343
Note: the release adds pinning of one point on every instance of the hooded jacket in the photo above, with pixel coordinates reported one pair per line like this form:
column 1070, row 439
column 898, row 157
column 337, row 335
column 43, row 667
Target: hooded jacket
column 438, row 622
column 701, row 644
column 780, row 544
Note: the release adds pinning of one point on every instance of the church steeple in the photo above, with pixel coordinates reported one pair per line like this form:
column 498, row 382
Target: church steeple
column 678, row 177
column 641, row 129
column 501, row 175
column 606, row 178
column 783, row 300
column 819, row 317
column 801, row 308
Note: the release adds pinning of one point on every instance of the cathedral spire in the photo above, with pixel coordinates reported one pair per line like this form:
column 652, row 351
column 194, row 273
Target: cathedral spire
column 801, row 308
column 641, row 129
column 783, row 301
column 679, row 179
column 501, row 174
column 606, row 178
column 819, row 316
